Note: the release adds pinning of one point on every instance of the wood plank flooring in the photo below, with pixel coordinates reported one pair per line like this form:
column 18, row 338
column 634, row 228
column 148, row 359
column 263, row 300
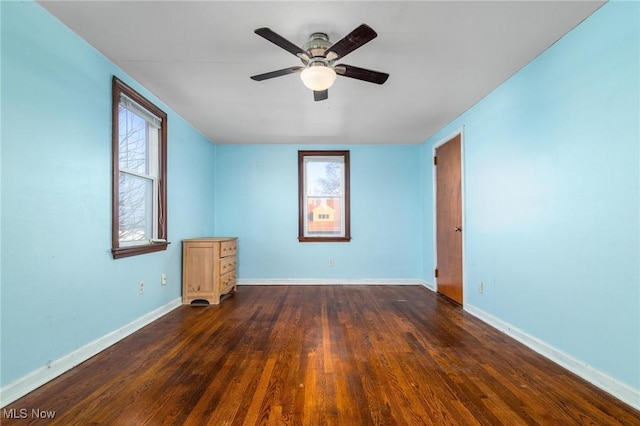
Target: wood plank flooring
column 321, row 355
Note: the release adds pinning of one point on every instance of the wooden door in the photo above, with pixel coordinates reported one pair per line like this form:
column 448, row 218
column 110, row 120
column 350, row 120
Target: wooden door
column 449, row 219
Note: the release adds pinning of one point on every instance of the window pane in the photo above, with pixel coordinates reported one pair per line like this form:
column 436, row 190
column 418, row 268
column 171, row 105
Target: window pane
column 323, row 177
column 133, row 136
column 136, row 208
column 324, row 207
column 324, row 216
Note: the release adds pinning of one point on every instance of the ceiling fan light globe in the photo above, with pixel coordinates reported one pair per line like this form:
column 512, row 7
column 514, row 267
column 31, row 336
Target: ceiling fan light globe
column 318, row 78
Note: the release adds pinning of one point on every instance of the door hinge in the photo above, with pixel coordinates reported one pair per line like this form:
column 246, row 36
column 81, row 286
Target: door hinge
column 435, row 160
column 435, row 272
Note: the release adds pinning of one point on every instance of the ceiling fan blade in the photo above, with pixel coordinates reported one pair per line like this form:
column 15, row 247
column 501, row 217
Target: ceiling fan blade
column 355, row 39
column 320, row 95
column 277, row 73
column 280, row 41
column 371, row 76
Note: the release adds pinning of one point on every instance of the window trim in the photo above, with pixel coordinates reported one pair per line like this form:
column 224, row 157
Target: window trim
column 302, row 198
column 119, row 87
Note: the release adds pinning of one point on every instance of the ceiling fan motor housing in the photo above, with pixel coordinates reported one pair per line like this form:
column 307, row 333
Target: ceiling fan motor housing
column 318, row 44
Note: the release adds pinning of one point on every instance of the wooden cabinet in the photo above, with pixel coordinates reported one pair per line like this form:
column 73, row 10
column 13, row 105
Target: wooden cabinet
column 208, row 268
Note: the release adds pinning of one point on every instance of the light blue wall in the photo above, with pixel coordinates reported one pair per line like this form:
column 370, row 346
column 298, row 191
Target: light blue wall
column 257, row 200
column 552, row 187
column 61, row 289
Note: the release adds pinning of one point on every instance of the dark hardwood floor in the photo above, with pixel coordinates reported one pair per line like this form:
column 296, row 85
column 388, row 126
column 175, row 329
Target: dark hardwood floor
column 315, row 355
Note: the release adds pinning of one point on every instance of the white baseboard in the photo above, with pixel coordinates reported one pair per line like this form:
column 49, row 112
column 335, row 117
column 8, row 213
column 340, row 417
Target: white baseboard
column 429, row 285
column 331, row 281
column 53, row 369
column 622, row 391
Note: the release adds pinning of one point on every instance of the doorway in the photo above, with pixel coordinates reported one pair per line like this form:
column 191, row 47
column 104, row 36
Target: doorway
column 448, row 218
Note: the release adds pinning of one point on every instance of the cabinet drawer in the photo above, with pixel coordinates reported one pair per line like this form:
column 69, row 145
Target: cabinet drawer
column 227, row 281
column 228, row 248
column 228, row 264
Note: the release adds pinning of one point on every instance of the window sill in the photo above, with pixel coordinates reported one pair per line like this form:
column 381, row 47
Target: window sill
column 324, row 239
column 120, row 252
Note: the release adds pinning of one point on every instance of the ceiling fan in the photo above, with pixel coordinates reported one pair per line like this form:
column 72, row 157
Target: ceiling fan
column 318, row 56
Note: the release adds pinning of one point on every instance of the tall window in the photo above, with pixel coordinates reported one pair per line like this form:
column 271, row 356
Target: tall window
column 139, row 138
column 323, row 196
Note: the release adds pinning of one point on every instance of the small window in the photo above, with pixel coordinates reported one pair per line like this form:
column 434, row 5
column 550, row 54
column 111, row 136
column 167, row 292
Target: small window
column 139, row 139
column 323, row 196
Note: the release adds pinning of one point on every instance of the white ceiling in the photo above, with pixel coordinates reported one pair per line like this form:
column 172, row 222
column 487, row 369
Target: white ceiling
column 442, row 57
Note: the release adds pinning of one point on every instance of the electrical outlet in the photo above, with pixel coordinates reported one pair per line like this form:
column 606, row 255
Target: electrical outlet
column 331, row 263
column 163, row 279
column 480, row 287
column 141, row 287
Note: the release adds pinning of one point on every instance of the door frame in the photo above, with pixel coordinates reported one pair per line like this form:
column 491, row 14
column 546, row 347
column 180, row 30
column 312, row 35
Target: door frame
column 439, row 143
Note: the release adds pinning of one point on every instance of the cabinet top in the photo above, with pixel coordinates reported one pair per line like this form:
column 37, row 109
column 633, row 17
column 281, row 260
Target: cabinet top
column 211, row 239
